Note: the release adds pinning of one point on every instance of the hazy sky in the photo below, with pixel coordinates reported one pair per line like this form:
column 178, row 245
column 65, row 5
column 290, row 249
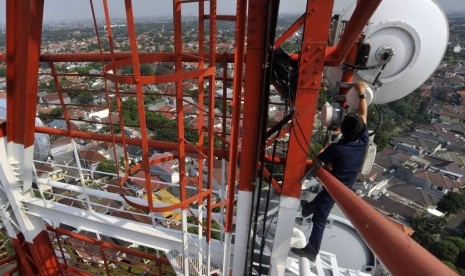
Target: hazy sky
column 80, row 9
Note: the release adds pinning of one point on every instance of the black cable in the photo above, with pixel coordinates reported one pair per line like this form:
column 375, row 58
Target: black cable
column 379, row 74
column 284, row 73
column 302, row 132
column 298, row 141
column 279, row 125
column 386, row 58
column 363, row 68
column 271, row 18
column 267, row 205
column 269, row 224
column 376, row 107
column 380, row 119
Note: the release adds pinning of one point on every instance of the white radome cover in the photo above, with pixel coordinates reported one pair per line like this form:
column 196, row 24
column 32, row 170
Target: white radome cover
column 416, row 30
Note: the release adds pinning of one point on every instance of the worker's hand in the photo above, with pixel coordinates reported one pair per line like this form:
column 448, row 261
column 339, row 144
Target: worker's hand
column 360, row 86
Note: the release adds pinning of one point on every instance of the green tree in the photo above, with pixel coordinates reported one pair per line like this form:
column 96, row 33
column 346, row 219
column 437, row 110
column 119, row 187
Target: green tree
column 194, row 93
column 165, row 129
column 433, row 225
column 458, row 241
column 56, row 113
column 146, row 70
column 427, row 229
column 461, row 259
column 130, row 112
column 85, row 98
column 398, row 116
column 191, row 134
column 106, row 166
column 424, row 238
column 127, row 70
column 151, row 98
column 323, row 97
column 445, row 250
column 63, row 81
column 381, row 140
column 452, row 202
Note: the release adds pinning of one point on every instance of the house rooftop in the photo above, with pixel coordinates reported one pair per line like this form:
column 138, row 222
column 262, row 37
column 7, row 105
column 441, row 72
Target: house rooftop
column 438, row 179
column 415, row 194
column 391, row 207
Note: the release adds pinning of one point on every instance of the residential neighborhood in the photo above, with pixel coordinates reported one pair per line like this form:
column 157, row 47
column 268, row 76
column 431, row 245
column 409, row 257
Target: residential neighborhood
column 416, row 169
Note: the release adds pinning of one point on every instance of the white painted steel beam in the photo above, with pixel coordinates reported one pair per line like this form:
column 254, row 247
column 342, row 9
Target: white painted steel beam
column 286, row 217
column 108, row 195
column 244, row 203
column 131, row 231
column 30, row 226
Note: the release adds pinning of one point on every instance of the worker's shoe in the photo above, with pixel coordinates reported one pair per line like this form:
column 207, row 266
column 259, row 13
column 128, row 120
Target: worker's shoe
column 301, row 252
column 307, row 208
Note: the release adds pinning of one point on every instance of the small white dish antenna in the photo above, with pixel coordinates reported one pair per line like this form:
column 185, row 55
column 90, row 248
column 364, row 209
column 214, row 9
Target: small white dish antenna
column 331, row 114
column 414, row 33
column 353, row 98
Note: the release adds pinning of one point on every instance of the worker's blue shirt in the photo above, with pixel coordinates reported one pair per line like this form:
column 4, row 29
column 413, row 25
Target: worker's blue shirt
column 346, row 158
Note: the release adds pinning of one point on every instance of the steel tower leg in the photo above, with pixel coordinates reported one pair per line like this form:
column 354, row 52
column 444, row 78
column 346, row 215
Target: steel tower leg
column 311, row 63
column 24, row 29
column 256, row 49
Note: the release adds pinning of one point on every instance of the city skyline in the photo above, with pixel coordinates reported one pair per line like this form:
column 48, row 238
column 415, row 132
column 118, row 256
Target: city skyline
column 56, row 10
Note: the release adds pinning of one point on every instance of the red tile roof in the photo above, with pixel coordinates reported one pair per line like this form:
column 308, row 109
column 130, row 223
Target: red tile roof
column 92, row 156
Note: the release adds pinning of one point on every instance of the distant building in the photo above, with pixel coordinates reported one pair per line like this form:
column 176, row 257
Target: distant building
column 61, row 146
column 167, row 171
column 54, row 99
column 91, row 159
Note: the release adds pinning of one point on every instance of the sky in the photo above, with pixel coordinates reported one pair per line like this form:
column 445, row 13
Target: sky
column 80, row 9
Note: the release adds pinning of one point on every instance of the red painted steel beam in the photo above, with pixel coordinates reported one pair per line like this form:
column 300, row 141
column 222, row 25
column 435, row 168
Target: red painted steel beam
column 241, row 6
column 104, row 244
column 60, row 95
column 211, row 114
column 177, row 26
column 222, row 17
column 24, row 30
column 178, row 76
column 397, row 251
column 201, row 94
column 2, row 129
column 107, row 57
column 140, row 100
column 38, row 257
column 78, row 272
column 24, row 265
column 348, row 75
column 253, row 93
column 44, row 254
column 362, row 14
column 290, row 31
column 311, row 64
column 8, row 259
column 167, row 146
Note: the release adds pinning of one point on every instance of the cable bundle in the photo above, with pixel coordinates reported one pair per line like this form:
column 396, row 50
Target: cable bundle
column 284, row 73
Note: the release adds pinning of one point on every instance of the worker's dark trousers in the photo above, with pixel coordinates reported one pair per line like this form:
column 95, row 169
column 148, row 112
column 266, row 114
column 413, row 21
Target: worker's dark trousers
column 322, row 205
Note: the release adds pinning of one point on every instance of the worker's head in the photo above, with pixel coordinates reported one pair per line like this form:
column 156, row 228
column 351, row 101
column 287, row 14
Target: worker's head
column 352, row 126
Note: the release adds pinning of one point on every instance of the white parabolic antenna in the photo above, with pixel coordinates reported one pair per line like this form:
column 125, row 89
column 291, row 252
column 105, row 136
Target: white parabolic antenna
column 414, row 32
